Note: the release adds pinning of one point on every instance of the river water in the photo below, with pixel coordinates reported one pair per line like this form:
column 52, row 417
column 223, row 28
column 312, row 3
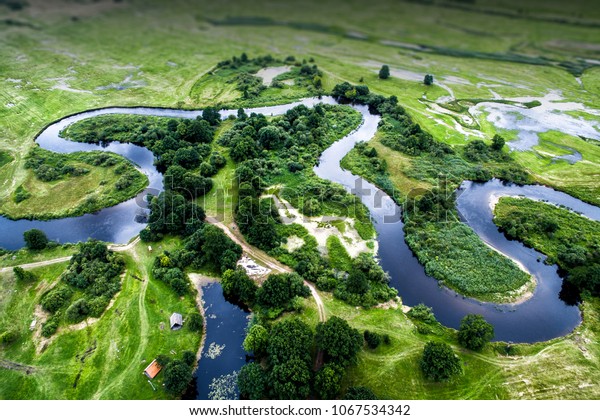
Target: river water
column 542, row 317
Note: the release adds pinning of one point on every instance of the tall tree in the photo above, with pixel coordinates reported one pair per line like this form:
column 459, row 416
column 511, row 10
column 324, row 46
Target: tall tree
column 338, row 340
column 384, row 72
column 35, row 239
column 439, row 363
column 475, row 332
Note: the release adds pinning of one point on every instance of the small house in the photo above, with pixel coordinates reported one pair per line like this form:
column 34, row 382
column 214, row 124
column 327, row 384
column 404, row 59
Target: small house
column 152, row 370
column 176, row 321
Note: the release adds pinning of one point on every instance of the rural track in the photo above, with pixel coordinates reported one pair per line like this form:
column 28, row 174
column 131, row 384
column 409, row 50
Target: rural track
column 257, row 254
column 112, row 247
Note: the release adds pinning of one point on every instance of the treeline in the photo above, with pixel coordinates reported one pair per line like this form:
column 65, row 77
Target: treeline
column 284, row 357
column 207, row 248
column 568, row 239
column 478, row 161
column 182, row 147
column 305, row 73
column 85, row 290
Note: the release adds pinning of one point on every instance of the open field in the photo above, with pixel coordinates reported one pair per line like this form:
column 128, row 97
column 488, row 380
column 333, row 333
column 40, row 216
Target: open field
column 59, row 58
column 105, row 359
column 565, row 368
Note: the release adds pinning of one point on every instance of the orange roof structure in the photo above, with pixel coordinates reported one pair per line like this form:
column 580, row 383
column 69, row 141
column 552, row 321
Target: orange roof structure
column 153, row 369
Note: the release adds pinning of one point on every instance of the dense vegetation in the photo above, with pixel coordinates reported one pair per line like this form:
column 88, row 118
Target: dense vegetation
column 432, row 226
column 439, row 363
column 475, row 332
column 90, row 282
column 568, row 239
column 284, row 357
column 113, row 178
column 239, row 79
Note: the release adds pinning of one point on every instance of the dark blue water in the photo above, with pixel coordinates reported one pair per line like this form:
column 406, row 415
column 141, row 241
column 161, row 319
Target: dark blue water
column 542, row 317
column 225, row 333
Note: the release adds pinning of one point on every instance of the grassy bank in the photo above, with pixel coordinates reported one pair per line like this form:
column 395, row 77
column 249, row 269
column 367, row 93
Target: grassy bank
column 57, row 185
column 104, row 359
column 564, row 368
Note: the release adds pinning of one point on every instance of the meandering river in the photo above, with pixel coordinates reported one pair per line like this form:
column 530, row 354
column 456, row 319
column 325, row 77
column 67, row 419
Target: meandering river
column 542, row 317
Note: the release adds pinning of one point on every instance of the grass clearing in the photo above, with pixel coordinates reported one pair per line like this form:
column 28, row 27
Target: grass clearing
column 117, row 347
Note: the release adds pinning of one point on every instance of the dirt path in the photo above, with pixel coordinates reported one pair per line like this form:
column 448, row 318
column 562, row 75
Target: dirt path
column 261, row 256
column 112, row 247
column 7, row 364
column 136, row 358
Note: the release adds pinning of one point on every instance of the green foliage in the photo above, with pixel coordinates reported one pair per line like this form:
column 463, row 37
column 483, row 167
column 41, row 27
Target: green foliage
column 253, row 381
column 474, row 332
column 195, row 322
column 278, row 291
column 174, row 277
column 24, row 276
column 210, row 246
column 171, row 213
column 290, row 338
column 359, row 393
column 439, row 363
column 78, row 311
column 8, row 336
column 256, row 340
column 384, row 72
column 372, row 339
column 338, row 340
column 238, row 286
column 56, row 298
column 328, row 381
column 21, row 194
column 35, row 239
column 176, row 377
column 338, row 256
column 422, row 313
column 428, row 80
column 49, row 328
column 290, row 380
column 565, row 237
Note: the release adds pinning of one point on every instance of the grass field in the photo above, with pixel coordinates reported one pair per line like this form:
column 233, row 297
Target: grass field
column 565, row 368
column 104, row 360
column 60, row 57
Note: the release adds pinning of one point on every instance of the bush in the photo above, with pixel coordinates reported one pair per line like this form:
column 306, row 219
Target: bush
column 439, row 363
column 50, row 327
column 474, row 332
column 422, row 313
column 78, row 311
column 373, row 339
column 177, row 376
column 195, row 323
column 35, row 239
column 56, row 298
column 24, row 276
column 252, row 381
column 9, row 336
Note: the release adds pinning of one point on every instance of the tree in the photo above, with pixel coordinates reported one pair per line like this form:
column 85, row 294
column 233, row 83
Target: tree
column 372, row 339
column 252, row 381
column 439, row 363
column 428, row 80
column 195, row 322
column 328, row 381
column 357, row 282
column 289, row 338
column 35, row 239
column 189, row 358
column 23, row 275
column 359, row 393
column 256, row 340
column 78, row 310
column 238, row 286
column 338, row 340
column 475, row 332
column 177, row 376
column 211, row 115
column 497, row 142
column 384, row 72
column 279, row 290
column 291, row 380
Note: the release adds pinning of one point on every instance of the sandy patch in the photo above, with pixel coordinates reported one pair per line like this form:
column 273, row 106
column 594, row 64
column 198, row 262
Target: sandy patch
column 321, row 228
column 293, row 243
column 252, row 268
column 62, row 83
column 269, row 73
